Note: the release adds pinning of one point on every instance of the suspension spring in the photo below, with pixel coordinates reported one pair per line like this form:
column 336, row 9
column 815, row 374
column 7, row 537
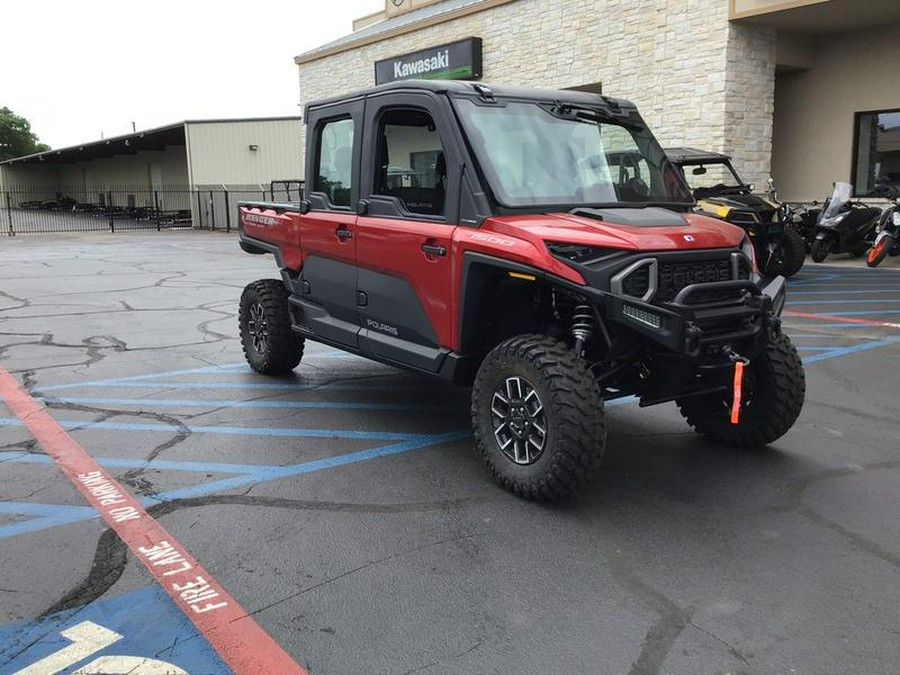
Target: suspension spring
column 582, row 326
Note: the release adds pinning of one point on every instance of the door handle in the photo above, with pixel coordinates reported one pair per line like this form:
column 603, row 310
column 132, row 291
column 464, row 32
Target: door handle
column 434, row 249
column 343, row 233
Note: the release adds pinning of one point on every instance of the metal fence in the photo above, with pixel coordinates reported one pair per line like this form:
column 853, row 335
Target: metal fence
column 36, row 210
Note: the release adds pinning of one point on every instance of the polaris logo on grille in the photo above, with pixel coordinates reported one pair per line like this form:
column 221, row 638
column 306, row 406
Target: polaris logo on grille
column 688, row 237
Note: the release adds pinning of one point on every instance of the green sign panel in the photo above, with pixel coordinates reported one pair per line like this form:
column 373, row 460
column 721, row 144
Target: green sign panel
column 459, row 60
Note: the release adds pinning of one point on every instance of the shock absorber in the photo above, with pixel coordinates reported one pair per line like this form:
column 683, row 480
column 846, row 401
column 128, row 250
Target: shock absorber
column 582, row 326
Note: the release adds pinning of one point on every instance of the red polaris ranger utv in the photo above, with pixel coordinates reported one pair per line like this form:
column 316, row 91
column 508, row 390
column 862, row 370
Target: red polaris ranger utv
column 535, row 245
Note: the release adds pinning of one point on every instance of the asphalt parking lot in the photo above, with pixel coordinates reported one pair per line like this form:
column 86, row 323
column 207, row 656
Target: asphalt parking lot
column 345, row 516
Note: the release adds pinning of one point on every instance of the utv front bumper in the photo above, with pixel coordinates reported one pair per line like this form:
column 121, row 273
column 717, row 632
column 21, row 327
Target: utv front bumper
column 749, row 316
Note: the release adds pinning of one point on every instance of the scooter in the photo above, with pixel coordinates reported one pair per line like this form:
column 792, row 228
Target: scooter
column 887, row 241
column 844, row 226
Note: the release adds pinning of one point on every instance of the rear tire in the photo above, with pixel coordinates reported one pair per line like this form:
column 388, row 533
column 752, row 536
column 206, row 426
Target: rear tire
column 270, row 346
column 538, row 418
column 820, row 249
column 790, row 257
column 879, row 251
column 772, row 398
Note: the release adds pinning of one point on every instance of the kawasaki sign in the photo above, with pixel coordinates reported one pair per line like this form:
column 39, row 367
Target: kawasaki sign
column 454, row 61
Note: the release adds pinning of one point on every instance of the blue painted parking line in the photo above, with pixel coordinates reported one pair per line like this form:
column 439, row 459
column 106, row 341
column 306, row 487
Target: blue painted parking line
column 247, row 474
column 843, row 351
column 286, row 432
column 270, row 386
column 839, row 292
column 41, row 516
column 842, row 302
column 226, row 403
column 138, row 632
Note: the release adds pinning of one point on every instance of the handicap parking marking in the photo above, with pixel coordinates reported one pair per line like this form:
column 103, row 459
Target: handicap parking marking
column 141, row 633
column 236, row 637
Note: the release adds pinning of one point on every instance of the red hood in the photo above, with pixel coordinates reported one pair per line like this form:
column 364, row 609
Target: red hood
column 699, row 232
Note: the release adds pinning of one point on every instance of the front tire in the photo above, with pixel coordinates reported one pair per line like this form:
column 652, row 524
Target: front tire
column 820, row 249
column 772, row 397
column 538, row 418
column 270, row 346
column 879, row 251
column 790, row 255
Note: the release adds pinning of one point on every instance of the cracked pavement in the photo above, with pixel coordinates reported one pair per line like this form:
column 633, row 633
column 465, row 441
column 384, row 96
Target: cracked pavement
column 679, row 557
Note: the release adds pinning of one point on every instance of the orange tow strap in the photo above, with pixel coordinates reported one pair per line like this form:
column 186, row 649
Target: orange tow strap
column 736, row 402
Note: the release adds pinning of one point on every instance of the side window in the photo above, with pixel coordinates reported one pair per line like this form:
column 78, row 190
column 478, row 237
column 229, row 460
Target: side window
column 334, row 164
column 410, row 163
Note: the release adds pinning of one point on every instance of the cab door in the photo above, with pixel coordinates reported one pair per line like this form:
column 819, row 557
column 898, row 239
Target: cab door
column 328, row 235
column 405, row 228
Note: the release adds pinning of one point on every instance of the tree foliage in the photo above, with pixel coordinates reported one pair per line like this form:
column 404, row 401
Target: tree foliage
column 16, row 137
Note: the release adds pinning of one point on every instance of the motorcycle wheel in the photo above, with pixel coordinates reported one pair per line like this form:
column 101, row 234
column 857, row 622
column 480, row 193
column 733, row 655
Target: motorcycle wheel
column 878, row 252
column 789, row 256
column 820, row 249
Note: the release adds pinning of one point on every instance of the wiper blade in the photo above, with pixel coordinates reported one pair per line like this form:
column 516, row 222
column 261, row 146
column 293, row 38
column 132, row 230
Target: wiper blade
column 588, row 115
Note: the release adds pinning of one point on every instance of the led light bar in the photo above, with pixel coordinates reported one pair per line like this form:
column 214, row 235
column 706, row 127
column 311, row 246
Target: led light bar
column 642, row 316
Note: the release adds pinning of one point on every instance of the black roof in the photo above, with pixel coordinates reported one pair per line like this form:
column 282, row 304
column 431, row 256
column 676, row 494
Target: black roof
column 695, row 156
column 467, row 88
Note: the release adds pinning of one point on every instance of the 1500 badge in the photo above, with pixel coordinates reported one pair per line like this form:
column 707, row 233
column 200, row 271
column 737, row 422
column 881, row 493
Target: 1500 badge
column 382, row 327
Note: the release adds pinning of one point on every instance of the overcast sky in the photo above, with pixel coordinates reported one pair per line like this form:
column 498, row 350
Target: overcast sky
column 79, row 69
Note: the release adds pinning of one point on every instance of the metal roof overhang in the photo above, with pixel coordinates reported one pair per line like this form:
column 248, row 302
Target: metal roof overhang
column 816, row 17
column 129, row 144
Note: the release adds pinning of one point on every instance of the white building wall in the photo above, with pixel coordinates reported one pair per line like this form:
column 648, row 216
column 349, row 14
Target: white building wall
column 680, row 61
column 219, row 152
column 854, row 71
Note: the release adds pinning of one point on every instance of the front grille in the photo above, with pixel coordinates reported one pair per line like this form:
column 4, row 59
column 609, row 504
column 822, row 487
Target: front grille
column 675, row 276
column 637, row 283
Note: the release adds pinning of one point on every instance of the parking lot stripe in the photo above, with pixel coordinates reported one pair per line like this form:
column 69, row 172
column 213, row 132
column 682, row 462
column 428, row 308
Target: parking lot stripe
column 845, row 319
column 843, row 301
column 286, row 432
column 274, row 386
column 237, row 638
column 843, row 351
column 226, row 403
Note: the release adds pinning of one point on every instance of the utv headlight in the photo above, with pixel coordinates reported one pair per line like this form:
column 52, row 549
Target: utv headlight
column 747, row 250
column 580, row 253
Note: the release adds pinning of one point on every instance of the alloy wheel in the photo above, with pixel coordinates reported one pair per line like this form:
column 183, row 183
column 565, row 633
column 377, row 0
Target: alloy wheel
column 518, row 419
column 257, row 328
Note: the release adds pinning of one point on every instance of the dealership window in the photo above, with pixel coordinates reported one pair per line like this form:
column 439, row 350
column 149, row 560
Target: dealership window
column 877, row 143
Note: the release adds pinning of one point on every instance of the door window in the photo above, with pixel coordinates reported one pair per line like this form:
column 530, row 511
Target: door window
column 410, row 163
column 334, row 163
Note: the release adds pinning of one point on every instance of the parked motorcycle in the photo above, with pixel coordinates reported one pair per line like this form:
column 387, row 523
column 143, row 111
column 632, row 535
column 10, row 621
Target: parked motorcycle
column 887, row 239
column 803, row 216
column 844, row 226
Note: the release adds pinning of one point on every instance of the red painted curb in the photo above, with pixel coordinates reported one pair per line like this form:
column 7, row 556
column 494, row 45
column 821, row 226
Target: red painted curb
column 237, row 638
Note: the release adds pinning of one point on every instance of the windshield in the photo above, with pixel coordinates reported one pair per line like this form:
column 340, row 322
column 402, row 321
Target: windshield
column 839, row 197
column 712, row 178
column 534, row 154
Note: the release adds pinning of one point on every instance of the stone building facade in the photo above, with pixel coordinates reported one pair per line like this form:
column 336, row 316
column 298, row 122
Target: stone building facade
column 703, row 73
